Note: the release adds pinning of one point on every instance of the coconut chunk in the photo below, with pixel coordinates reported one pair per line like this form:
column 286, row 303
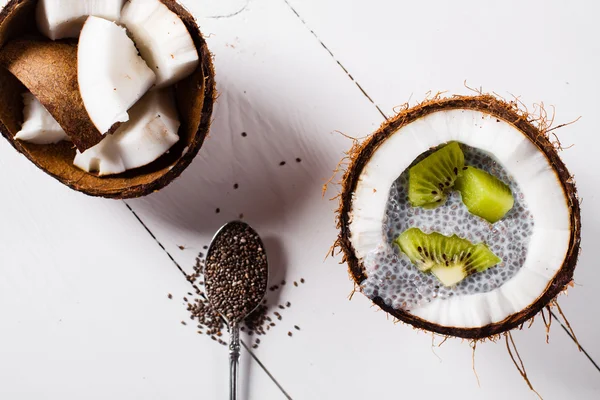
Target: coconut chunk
column 58, row 19
column 39, row 126
column 112, row 76
column 150, row 132
column 162, row 38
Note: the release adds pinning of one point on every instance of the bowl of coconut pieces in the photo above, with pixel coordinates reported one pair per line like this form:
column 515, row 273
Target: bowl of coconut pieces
column 458, row 217
column 112, row 98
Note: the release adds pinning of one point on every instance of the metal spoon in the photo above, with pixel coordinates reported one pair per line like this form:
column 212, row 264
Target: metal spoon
column 236, row 275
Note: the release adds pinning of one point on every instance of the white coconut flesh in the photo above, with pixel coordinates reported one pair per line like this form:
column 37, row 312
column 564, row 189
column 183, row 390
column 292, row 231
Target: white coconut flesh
column 112, row 76
column 39, row 127
column 58, row 19
column 162, row 38
column 151, row 131
column 539, row 243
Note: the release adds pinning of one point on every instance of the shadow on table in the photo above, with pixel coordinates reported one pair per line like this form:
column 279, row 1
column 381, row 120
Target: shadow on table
column 277, row 268
column 256, row 165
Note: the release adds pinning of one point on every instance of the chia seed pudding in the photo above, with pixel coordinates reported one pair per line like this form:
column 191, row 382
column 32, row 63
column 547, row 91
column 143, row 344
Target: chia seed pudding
column 392, row 277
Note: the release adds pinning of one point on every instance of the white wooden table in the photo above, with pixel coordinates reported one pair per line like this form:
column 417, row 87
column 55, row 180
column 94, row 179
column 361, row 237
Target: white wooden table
column 84, row 281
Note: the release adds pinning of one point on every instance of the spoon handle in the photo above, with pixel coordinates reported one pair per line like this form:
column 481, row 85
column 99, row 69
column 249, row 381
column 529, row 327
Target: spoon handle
column 234, row 357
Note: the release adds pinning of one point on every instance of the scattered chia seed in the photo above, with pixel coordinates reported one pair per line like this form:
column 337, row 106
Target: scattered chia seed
column 170, row 296
column 295, row 283
column 244, row 134
column 298, row 159
column 236, row 273
column 210, row 322
column 290, row 334
column 288, row 304
column 235, row 186
column 218, row 210
column 302, row 280
column 282, row 163
column 296, row 327
column 181, row 247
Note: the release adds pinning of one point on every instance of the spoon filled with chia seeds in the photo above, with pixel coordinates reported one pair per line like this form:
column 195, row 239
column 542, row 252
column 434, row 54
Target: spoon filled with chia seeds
column 235, row 275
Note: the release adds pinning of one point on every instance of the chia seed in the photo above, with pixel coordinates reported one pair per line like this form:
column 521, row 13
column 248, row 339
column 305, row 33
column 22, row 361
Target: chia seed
column 408, row 288
column 236, row 273
column 259, row 322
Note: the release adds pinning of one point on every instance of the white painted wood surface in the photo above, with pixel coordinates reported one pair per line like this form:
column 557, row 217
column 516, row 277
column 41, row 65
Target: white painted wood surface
column 83, row 300
column 83, row 286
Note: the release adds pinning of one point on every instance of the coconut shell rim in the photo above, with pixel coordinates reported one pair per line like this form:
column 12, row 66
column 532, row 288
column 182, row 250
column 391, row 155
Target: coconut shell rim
column 510, row 113
column 140, row 190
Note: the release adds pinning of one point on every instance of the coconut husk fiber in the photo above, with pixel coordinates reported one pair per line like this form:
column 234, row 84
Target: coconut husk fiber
column 49, row 70
column 195, row 97
column 537, row 133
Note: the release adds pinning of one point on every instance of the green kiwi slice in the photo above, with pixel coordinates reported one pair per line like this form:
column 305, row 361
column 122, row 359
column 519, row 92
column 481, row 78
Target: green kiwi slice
column 431, row 179
column 484, row 195
column 450, row 258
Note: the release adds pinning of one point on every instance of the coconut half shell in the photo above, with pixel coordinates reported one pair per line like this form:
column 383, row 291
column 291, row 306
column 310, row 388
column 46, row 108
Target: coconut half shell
column 195, row 98
column 360, row 156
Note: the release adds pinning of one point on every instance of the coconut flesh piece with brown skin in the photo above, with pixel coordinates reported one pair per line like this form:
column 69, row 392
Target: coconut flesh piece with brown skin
column 39, row 127
column 49, row 71
column 58, row 19
column 151, row 131
column 495, row 127
column 112, row 76
column 163, row 41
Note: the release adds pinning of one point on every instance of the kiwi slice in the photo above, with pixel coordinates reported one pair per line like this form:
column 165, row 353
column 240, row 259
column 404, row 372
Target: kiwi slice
column 484, row 195
column 430, row 180
column 450, row 258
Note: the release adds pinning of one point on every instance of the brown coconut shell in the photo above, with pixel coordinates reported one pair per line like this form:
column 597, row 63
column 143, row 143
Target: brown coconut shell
column 49, row 70
column 195, row 98
column 509, row 112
